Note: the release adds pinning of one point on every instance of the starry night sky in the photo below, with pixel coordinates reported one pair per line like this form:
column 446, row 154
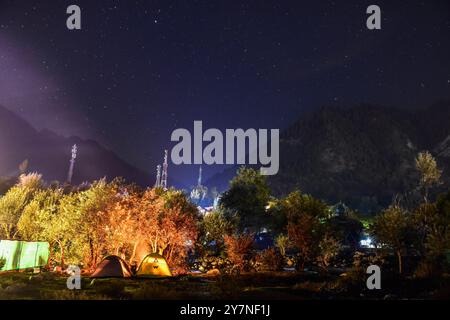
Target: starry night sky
column 139, row 69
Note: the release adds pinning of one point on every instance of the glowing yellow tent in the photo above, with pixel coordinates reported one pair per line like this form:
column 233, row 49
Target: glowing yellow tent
column 153, row 265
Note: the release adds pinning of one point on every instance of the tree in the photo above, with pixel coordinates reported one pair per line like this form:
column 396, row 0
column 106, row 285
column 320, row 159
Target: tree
column 246, row 200
column 282, row 243
column 430, row 174
column 61, row 227
column 213, row 228
column 32, row 181
column 239, row 248
column 14, row 202
column 91, row 208
column 393, row 228
column 304, row 215
column 160, row 221
column 432, row 221
column 121, row 225
column 51, row 216
column 329, row 249
column 33, row 220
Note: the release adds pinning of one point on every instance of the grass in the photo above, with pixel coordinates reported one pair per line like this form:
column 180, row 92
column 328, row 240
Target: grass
column 261, row 286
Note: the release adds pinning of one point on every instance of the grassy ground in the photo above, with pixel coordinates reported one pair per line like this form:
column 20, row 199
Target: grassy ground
column 263, row 286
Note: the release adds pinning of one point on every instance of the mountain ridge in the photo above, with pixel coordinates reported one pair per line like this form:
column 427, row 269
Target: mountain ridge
column 362, row 155
column 49, row 153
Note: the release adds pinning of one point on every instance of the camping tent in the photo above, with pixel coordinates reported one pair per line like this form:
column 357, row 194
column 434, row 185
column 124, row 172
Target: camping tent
column 112, row 267
column 16, row 255
column 154, row 265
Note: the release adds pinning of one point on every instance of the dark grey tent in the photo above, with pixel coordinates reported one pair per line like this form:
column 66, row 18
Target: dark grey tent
column 112, row 267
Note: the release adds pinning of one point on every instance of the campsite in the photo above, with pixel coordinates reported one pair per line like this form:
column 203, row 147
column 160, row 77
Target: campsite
column 114, row 279
column 118, row 241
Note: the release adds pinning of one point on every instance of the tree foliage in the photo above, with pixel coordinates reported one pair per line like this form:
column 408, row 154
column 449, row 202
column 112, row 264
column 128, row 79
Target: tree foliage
column 393, row 228
column 246, row 200
column 304, row 215
column 430, row 174
column 14, row 202
column 213, row 229
column 239, row 249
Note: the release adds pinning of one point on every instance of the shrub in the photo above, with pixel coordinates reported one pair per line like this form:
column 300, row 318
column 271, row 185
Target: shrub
column 239, row 249
column 329, row 249
column 269, row 260
column 282, row 243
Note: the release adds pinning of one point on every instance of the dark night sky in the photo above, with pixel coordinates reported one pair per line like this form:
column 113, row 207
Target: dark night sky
column 139, row 69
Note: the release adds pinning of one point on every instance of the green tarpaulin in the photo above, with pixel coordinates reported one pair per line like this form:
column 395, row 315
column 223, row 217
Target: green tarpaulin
column 16, row 255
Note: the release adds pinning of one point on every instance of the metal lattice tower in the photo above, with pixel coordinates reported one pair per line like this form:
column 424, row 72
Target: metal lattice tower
column 72, row 163
column 199, row 182
column 158, row 176
column 164, row 171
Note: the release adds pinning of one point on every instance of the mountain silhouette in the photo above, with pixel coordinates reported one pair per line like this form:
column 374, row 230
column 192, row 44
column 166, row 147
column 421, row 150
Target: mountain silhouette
column 49, row 153
column 362, row 155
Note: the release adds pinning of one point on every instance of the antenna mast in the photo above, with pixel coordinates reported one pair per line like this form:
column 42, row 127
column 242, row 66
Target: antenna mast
column 72, row 163
column 199, row 183
column 164, row 171
column 158, row 176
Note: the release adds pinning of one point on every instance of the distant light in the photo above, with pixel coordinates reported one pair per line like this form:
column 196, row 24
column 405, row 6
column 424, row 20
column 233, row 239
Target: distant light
column 367, row 243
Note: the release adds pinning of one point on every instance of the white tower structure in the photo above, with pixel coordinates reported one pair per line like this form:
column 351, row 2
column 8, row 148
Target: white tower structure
column 164, row 171
column 199, row 182
column 158, row 176
column 72, row 163
column 199, row 192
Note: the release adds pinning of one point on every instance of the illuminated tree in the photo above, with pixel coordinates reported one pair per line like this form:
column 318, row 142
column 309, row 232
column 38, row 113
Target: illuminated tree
column 156, row 221
column 35, row 216
column 31, row 181
column 168, row 224
column 239, row 248
column 282, row 243
column 213, row 229
column 393, row 228
column 329, row 249
column 91, row 207
column 304, row 215
column 14, row 202
column 430, row 174
column 125, row 225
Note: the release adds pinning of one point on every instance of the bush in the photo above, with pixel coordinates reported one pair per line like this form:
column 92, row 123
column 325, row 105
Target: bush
column 239, row 249
column 207, row 263
column 282, row 243
column 329, row 249
column 269, row 260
